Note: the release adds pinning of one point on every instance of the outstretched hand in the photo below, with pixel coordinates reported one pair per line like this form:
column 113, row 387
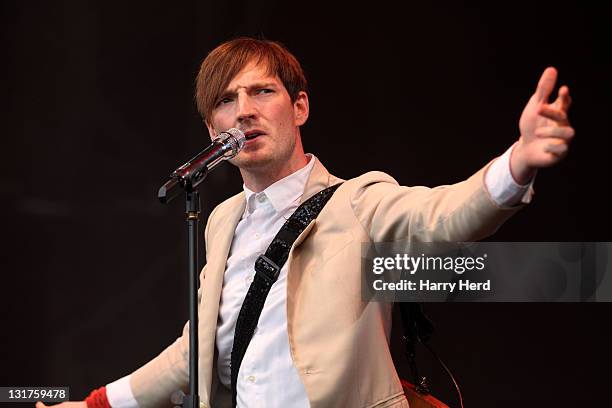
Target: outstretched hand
column 545, row 130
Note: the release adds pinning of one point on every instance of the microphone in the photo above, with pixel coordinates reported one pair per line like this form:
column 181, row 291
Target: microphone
column 225, row 146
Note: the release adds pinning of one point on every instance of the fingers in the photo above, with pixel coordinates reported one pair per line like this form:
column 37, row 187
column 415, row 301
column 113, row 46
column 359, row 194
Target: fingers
column 557, row 149
column 557, row 115
column 563, row 101
column 564, row 98
column 560, row 132
column 40, row 405
column 546, row 84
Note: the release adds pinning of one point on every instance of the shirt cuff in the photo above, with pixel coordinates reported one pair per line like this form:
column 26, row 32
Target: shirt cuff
column 501, row 185
column 119, row 394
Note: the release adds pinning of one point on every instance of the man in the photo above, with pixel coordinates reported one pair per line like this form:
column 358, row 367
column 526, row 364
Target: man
column 317, row 343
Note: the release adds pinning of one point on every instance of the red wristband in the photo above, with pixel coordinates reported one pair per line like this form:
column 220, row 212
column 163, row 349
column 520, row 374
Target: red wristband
column 97, row 399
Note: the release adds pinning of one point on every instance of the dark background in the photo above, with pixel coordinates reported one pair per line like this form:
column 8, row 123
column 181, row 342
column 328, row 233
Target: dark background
column 97, row 110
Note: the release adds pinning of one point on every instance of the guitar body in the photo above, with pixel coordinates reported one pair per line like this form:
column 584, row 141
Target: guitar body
column 417, row 400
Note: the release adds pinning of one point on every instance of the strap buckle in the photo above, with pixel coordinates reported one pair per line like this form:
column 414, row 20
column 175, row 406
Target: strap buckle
column 267, row 268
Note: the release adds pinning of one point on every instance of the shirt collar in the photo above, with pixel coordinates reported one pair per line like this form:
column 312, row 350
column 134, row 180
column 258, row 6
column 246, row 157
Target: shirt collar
column 284, row 192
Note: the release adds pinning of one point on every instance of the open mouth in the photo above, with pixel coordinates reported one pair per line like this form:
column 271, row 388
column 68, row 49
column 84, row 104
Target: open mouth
column 253, row 134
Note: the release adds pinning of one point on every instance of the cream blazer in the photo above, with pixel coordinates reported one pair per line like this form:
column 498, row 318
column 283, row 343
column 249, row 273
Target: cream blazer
column 338, row 342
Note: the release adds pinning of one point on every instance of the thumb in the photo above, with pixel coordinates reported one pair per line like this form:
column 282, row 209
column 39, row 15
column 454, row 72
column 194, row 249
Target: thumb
column 40, row 405
column 546, row 84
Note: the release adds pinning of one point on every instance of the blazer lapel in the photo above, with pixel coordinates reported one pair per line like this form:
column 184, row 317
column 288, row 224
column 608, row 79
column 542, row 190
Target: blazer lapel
column 318, row 180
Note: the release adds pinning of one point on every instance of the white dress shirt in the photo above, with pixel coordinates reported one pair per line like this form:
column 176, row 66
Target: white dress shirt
column 267, row 366
column 267, row 376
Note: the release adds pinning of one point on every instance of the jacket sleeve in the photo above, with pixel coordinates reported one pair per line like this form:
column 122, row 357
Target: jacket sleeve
column 460, row 212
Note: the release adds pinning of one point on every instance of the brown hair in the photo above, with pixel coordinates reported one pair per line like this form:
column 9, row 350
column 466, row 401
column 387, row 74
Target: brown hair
column 228, row 59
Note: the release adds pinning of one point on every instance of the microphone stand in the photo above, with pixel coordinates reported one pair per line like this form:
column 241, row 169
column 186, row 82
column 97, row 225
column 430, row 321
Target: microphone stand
column 166, row 193
column 192, row 210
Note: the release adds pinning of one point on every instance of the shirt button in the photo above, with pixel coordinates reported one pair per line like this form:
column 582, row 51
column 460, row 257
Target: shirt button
column 261, row 198
column 257, row 235
column 251, row 378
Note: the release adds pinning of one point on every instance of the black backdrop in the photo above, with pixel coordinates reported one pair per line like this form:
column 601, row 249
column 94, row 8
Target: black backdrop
column 98, row 109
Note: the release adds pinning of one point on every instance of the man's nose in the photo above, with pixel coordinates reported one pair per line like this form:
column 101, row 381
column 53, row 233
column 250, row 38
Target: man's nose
column 246, row 108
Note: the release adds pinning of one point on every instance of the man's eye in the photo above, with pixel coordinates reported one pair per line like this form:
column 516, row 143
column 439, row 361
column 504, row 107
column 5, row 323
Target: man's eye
column 223, row 101
column 264, row 91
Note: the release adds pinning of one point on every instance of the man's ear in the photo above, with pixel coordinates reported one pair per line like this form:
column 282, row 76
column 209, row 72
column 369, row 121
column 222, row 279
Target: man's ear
column 301, row 108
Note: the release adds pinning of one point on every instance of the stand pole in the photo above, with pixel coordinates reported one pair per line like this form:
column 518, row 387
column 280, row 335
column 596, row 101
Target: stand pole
column 192, row 400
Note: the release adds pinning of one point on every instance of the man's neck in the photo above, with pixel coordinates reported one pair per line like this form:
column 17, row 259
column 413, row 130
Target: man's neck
column 258, row 180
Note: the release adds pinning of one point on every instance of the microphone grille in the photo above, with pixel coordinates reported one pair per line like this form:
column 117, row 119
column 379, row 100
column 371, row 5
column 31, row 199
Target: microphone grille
column 235, row 138
column 239, row 136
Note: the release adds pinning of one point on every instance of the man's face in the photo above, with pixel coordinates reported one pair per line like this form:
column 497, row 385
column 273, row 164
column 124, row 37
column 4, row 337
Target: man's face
column 260, row 106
